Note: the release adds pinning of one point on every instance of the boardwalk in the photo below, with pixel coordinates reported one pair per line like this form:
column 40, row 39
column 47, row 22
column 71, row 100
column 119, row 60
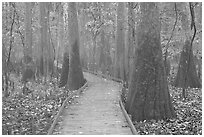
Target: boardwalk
column 95, row 111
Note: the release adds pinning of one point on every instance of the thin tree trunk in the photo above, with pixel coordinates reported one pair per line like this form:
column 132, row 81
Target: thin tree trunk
column 102, row 55
column 94, row 54
column 28, row 31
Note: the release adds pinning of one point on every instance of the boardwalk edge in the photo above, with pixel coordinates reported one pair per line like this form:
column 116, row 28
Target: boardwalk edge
column 62, row 107
column 132, row 127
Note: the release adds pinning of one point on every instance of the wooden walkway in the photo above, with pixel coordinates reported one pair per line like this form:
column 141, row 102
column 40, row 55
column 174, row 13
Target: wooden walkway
column 96, row 111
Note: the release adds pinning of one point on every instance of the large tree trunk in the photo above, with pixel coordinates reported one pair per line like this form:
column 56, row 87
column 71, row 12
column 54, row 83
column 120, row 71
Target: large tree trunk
column 148, row 96
column 120, row 44
column 186, row 75
column 76, row 78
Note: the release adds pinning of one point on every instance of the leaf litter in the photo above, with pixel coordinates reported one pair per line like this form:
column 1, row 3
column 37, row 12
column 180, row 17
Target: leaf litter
column 33, row 113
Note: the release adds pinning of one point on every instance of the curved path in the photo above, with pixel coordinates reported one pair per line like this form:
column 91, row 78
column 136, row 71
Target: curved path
column 94, row 111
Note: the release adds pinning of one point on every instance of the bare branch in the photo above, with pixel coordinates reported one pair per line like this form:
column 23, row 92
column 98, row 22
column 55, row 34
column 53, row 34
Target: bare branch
column 192, row 21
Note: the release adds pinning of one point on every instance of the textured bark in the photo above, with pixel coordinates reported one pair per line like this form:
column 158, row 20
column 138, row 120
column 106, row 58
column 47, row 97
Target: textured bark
column 44, row 36
column 120, row 44
column 65, row 70
column 76, row 78
column 148, row 96
column 187, row 69
column 131, row 42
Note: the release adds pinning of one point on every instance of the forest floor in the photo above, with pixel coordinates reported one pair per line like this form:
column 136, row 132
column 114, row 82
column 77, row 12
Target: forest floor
column 34, row 112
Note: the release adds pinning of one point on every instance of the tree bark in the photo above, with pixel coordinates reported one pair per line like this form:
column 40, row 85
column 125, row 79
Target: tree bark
column 186, row 75
column 28, row 31
column 50, row 47
column 76, row 78
column 102, row 55
column 120, row 44
column 44, row 38
column 131, row 42
column 65, row 70
column 28, row 64
column 192, row 79
column 148, row 96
